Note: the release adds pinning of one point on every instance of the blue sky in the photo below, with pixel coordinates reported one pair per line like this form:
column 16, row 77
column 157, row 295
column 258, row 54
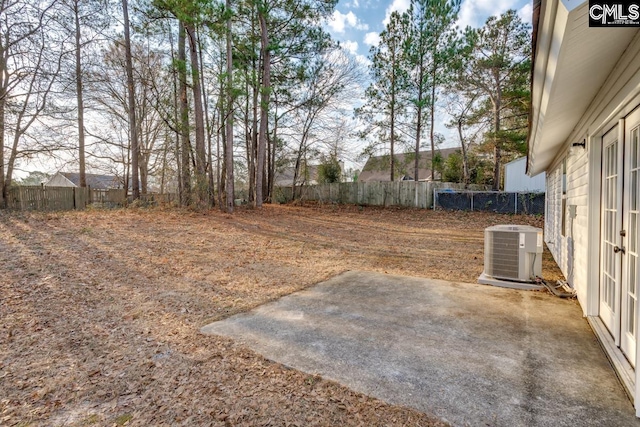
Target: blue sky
column 357, row 23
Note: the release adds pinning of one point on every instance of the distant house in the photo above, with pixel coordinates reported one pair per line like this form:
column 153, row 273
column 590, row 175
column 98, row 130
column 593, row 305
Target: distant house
column 284, row 176
column 95, row 181
column 378, row 168
column 516, row 178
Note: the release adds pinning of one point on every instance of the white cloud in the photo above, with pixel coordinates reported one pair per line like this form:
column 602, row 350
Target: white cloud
column 350, row 46
column 396, row 5
column 474, row 12
column 526, row 13
column 372, row 39
column 364, row 61
column 339, row 21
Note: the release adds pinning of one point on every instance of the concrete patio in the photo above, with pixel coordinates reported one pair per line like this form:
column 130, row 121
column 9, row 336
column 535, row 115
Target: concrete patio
column 468, row 354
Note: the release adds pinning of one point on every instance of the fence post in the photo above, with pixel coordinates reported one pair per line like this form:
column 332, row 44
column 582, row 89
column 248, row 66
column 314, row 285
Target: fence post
column 472, row 193
column 516, row 203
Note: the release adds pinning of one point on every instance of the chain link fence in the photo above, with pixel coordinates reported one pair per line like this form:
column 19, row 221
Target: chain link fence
column 490, row 201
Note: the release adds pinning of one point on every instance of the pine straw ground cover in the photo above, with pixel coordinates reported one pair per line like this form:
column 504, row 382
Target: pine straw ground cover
column 100, row 310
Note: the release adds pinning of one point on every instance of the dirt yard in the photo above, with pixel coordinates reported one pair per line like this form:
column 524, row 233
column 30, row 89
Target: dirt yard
column 100, row 310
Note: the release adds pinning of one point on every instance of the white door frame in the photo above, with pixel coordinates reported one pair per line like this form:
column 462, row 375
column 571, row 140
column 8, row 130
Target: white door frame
column 592, row 297
column 629, row 294
column 610, row 226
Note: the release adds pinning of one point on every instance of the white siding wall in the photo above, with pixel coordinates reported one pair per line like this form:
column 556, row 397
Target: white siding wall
column 516, row 178
column 553, row 218
column 571, row 260
column 578, row 227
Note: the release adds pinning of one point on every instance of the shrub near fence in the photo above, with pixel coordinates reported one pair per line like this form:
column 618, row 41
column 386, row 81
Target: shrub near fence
column 110, row 198
column 490, row 201
column 397, row 193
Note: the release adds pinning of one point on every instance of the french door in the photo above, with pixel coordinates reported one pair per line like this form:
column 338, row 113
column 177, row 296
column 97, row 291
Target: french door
column 620, row 216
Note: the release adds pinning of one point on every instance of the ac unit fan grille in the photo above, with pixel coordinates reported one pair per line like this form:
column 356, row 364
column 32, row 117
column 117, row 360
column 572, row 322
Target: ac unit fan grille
column 504, row 258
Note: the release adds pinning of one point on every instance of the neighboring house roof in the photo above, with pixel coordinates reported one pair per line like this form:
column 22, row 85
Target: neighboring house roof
column 96, row 181
column 377, row 168
column 284, row 176
column 59, row 180
column 572, row 63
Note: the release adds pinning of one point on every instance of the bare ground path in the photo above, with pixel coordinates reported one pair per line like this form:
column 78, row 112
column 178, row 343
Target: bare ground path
column 100, row 310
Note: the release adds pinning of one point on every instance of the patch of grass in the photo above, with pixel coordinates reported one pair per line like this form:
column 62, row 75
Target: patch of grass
column 90, row 420
column 123, row 419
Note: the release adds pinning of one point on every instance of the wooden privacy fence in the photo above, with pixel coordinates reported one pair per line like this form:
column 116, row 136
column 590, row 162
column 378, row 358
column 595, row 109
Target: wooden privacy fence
column 44, row 198
column 397, row 193
column 41, row 198
column 490, row 201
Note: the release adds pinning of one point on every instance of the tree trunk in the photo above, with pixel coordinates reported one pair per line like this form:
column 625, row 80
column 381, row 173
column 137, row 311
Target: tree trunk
column 272, row 157
column 264, row 105
column 79, row 96
column 135, row 184
column 416, row 172
column 143, row 161
column 254, row 140
column 184, row 117
column 167, row 142
column 432, row 104
column 207, row 122
column 248, row 137
column 12, row 158
column 2, row 132
column 229, row 120
column 220, row 135
column 393, row 135
column 176, row 118
column 198, row 114
column 465, row 160
column 420, row 107
column 267, row 170
column 255, row 89
column 496, row 139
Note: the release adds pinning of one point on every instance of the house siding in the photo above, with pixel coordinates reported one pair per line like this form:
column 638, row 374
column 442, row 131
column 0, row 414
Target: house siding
column 557, row 90
column 569, row 250
column 553, row 220
column 516, row 178
column 618, row 97
column 577, row 228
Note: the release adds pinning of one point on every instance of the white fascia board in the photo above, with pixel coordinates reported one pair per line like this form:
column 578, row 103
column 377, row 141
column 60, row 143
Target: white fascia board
column 554, row 18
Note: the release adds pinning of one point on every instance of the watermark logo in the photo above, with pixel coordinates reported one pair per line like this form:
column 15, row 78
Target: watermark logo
column 614, row 13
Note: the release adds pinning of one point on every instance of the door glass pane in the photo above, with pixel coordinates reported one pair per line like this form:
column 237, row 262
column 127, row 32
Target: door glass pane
column 633, row 232
column 610, row 199
column 634, row 148
column 631, row 318
column 632, row 215
column 633, row 190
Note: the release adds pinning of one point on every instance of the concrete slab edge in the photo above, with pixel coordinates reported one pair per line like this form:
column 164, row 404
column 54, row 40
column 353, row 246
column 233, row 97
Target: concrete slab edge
column 484, row 279
column 620, row 365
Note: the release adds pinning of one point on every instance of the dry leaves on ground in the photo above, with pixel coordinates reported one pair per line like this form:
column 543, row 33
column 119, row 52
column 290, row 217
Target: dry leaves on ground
column 101, row 309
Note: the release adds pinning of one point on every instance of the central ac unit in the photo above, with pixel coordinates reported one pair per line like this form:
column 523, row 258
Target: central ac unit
column 512, row 253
